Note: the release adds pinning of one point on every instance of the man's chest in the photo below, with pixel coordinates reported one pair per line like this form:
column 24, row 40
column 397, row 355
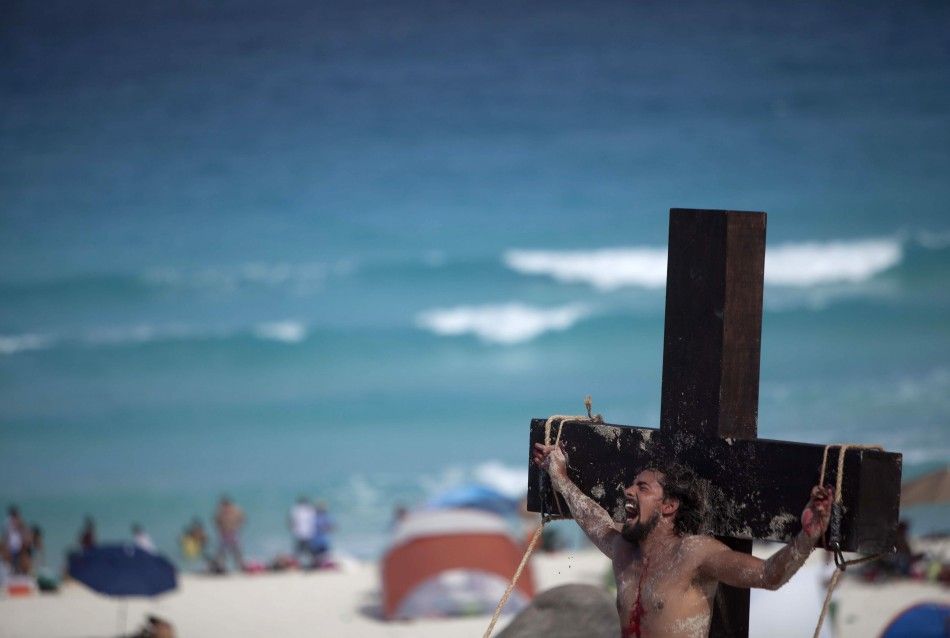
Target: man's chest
column 657, row 596
column 637, row 586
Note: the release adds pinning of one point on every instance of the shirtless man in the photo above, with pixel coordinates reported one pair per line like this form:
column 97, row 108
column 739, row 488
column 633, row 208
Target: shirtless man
column 666, row 569
column 229, row 518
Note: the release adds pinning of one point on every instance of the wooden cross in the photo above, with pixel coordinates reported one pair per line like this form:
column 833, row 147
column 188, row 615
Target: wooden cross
column 709, row 415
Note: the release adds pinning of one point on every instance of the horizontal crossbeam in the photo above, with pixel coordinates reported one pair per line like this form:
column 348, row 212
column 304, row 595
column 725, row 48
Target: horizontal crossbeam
column 758, row 487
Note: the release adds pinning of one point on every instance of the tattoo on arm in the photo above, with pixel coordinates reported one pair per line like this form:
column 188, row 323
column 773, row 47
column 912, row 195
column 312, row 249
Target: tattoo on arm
column 783, row 564
column 743, row 570
column 592, row 518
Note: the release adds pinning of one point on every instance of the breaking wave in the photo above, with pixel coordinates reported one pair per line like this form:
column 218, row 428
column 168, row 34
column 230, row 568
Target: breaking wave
column 139, row 334
column 296, row 276
column 510, row 481
column 604, row 269
column 11, row 344
column 289, row 331
column 505, row 324
column 793, row 264
column 812, row 264
column 283, row 331
column 506, row 479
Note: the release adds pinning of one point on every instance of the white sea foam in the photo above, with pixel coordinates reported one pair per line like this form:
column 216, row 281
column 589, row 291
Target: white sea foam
column 510, row 481
column 11, row 344
column 284, row 331
column 794, row 264
column 933, row 241
column 436, row 484
column 137, row 334
column 605, row 269
column 921, row 455
column 298, row 277
column 815, row 263
column 506, row 324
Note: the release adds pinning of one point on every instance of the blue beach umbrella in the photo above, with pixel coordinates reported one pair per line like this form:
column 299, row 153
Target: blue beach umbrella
column 924, row 620
column 123, row 570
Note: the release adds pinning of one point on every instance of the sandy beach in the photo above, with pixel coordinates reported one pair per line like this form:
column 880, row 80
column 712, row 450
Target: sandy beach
column 345, row 603
column 341, row 602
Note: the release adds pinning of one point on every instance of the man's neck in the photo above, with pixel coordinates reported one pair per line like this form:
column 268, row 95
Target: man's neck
column 658, row 542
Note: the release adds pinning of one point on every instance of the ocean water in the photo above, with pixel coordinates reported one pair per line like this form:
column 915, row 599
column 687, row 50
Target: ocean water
column 350, row 250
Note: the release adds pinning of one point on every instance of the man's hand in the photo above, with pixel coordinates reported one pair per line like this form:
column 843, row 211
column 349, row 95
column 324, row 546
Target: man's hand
column 818, row 512
column 551, row 458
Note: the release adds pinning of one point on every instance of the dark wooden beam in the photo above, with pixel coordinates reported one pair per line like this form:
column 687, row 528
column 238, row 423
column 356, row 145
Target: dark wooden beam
column 713, row 323
column 759, row 487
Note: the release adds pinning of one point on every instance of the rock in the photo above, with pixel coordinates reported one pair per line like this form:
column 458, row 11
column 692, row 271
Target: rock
column 568, row 611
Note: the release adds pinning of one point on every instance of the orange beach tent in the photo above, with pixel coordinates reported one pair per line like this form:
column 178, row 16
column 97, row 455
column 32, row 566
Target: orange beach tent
column 451, row 562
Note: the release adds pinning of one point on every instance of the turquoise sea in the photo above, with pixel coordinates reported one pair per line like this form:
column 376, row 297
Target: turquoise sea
column 350, row 250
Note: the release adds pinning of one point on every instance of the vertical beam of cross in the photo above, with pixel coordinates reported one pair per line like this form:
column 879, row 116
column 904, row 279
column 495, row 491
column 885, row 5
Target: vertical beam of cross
column 711, row 348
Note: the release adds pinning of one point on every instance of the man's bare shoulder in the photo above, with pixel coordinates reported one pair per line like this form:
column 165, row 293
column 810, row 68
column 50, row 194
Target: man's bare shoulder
column 695, row 551
column 700, row 546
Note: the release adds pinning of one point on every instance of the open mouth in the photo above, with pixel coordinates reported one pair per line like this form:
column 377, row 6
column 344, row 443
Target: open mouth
column 631, row 510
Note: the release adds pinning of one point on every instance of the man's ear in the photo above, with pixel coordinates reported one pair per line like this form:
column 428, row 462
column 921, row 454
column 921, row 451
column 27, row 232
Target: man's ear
column 669, row 506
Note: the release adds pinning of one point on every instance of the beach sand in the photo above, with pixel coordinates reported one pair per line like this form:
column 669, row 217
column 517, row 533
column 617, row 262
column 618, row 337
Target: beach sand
column 345, row 603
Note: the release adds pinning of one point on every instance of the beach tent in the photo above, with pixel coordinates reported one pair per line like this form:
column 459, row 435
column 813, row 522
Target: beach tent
column 449, row 563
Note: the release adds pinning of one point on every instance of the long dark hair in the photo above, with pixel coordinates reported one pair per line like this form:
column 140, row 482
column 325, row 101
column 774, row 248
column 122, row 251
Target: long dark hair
column 681, row 483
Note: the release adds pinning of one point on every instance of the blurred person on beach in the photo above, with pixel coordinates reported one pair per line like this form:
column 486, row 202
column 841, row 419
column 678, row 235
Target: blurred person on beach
column 87, row 535
column 302, row 521
column 901, row 563
column 400, row 512
column 155, row 627
column 666, row 568
column 37, row 546
column 551, row 540
column 16, row 542
column 320, row 541
column 194, row 542
column 142, row 540
column 228, row 519
column 45, row 581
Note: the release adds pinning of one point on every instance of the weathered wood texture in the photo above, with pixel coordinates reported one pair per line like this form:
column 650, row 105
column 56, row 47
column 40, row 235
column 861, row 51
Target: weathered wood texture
column 713, row 323
column 759, row 487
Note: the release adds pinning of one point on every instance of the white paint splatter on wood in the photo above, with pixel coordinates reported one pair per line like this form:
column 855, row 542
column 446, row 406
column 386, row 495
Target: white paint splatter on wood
column 780, row 525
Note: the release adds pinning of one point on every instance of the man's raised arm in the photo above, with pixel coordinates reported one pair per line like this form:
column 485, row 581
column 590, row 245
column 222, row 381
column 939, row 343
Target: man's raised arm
column 593, row 519
column 743, row 570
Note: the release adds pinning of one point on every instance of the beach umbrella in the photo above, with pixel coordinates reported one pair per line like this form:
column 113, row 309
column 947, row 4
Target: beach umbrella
column 923, row 620
column 123, row 570
column 933, row 487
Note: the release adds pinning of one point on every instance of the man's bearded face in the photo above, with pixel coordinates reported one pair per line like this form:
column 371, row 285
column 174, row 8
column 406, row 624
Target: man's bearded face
column 643, row 502
column 635, row 530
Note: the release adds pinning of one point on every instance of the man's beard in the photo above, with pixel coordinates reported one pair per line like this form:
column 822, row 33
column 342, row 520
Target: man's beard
column 636, row 532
